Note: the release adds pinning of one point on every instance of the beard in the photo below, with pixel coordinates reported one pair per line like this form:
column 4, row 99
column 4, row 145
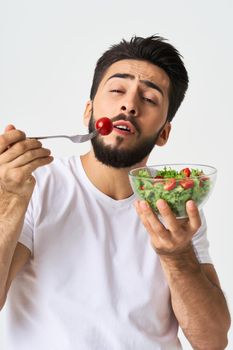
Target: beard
column 116, row 157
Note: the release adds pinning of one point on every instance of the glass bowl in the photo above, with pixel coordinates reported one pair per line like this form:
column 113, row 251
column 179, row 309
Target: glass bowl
column 175, row 183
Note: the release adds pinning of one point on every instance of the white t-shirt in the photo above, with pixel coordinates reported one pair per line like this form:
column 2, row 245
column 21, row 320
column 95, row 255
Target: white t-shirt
column 94, row 282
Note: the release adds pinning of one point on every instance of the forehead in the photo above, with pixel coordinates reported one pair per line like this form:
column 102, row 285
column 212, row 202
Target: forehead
column 141, row 70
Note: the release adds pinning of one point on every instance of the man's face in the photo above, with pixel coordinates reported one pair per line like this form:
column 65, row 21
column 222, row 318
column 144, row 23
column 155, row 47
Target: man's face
column 134, row 95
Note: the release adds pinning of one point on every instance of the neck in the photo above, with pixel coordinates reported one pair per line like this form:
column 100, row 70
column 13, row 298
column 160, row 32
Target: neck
column 111, row 181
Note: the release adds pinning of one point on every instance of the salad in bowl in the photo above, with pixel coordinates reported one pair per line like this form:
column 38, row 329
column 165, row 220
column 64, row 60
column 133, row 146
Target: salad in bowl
column 175, row 183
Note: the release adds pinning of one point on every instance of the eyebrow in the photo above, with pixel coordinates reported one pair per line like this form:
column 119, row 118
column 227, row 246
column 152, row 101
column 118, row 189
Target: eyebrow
column 148, row 83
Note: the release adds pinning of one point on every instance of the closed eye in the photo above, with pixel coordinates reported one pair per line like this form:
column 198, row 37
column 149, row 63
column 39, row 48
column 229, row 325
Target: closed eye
column 149, row 100
column 116, row 90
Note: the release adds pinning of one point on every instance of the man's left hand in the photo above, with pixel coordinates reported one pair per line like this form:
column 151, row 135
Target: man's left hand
column 174, row 236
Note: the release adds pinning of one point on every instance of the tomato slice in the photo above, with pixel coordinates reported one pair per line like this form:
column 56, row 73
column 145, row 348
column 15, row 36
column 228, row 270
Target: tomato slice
column 187, row 183
column 170, row 184
column 202, row 180
column 158, row 180
column 186, row 172
column 104, row 125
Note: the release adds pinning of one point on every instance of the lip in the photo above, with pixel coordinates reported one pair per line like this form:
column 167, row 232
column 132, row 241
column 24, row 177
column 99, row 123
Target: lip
column 124, row 123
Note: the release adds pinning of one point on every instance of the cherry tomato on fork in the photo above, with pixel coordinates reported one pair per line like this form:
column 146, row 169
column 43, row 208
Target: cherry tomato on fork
column 104, row 125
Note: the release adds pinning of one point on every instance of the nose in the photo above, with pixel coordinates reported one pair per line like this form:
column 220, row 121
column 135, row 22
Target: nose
column 131, row 111
column 129, row 106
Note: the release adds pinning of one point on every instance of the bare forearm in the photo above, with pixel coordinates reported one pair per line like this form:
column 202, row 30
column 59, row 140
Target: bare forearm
column 199, row 305
column 12, row 213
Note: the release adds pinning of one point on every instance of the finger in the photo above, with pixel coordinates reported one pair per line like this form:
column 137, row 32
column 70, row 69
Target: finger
column 37, row 163
column 9, row 127
column 30, row 156
column 194, row 216
column 19, row 149
column 168, row 216
column 151, row 221
column 142, row 207
column 9, row 138
column 24, row 172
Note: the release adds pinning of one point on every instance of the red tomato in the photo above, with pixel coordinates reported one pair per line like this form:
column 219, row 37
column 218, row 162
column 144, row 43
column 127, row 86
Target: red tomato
column 186, row 172
column 202, row 180
column 104, row 125
column 187, row 183
column 170, row 184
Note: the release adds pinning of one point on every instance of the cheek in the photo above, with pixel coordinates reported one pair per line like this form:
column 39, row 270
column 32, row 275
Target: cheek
column 103, row 109
column 165, row 108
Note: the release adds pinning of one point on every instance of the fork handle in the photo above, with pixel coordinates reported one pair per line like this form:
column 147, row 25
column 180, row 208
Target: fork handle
column 49, row 137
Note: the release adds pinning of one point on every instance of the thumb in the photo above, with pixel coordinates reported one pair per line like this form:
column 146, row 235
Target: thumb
column 9, row 127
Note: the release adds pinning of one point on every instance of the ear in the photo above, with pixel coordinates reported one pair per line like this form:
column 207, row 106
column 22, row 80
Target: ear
column 87, row 112
column 163, row 137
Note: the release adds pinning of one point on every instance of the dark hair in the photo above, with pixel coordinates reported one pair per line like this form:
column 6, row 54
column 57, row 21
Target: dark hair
column 155, row 50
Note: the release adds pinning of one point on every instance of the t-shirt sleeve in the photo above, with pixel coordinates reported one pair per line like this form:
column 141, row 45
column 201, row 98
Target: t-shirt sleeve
column 26, row 236
column 201, row 243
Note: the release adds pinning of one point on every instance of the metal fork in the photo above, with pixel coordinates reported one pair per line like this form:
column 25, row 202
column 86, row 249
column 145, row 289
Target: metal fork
column 74, row 138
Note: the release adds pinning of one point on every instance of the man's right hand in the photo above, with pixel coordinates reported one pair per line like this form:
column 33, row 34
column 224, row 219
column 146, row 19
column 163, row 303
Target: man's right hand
column 19, row 157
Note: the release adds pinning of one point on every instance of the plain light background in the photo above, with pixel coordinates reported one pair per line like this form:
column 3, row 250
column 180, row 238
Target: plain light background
column 48, row 50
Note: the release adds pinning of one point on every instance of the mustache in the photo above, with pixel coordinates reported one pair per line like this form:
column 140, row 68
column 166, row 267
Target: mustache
column 128, row 118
